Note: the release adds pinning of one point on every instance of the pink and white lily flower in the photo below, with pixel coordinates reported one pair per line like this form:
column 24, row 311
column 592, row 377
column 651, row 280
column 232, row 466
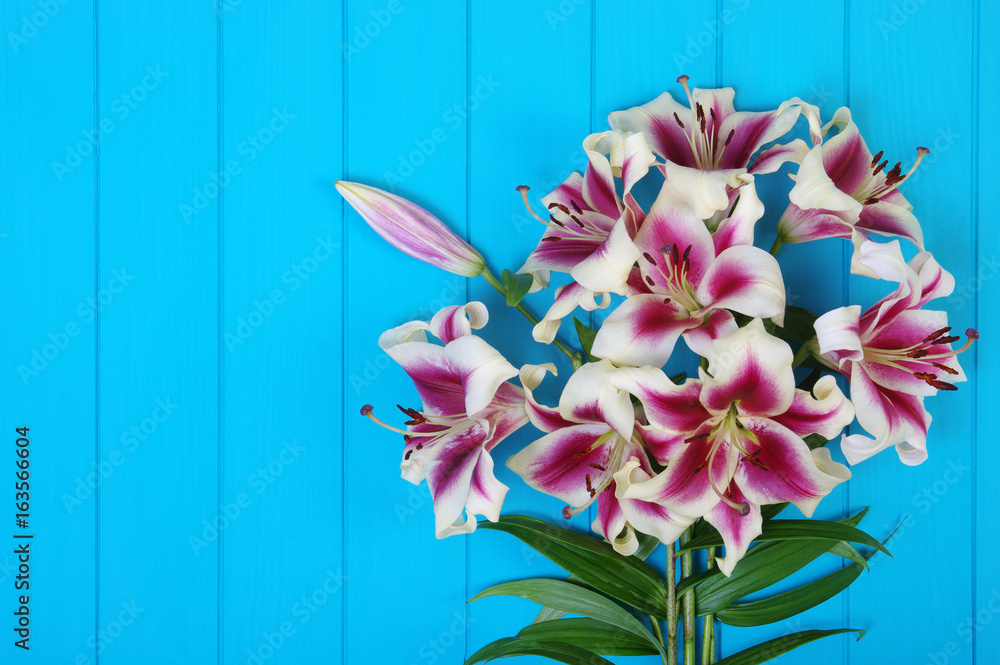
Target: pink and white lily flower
column 841, row 188
column 894, row 354
column 468, row 408
column 589, row 449
column 690, row 279
column 412, row 230
column 707, row 145
column 590, row 228
column 733, row 440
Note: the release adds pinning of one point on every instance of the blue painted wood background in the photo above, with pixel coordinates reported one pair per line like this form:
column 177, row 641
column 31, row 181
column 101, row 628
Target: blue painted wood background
column 190, row 315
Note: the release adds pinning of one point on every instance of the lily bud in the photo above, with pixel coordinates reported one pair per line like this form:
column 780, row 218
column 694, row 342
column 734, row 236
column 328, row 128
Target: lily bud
column 413, row 230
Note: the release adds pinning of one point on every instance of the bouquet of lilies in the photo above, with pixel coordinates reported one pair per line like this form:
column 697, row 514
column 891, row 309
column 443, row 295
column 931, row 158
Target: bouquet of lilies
column 697, row 464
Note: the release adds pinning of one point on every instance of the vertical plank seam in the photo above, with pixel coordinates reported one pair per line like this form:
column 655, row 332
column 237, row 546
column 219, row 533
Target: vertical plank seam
column 97, row 329
column 844, row 293
column 974, row 379
column 343, row 337
column 220, row 305
column 468, row 234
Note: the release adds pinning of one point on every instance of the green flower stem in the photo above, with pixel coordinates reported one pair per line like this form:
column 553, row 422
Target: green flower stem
column 671, row 605
column 687, row 602
column 573, row 356
column 778, row 242
column 804, row 351
column 708, row 631
column 659, row 635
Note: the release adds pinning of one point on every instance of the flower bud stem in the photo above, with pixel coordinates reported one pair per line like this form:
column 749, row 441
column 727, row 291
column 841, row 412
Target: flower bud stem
column 574, row 357
column 687, row 602
column 671, row 605
column 778, row 242
column 708, row 630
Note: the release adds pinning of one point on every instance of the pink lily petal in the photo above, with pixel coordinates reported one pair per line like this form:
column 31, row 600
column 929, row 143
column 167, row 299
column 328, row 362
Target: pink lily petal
column 481, row 367
column 662, row 444
column 908, row 329
column 456, row 321
column 814, row 188
column 826, row 412
column 655, row 119
column 706, row 191
column 671, row 223
column 610, row 520
column 449, row 472
column 737, row 229
column 668, row 406
column 935, row 281
column 559, row 463
column 648, row 517
column 702, row 338
column 779, row 467
column 545, row 418
column 486, row 493
column 888, row 219
column 591, row 396
column 797, row 225
column 839, row 335
column 750, row 131
column 607, row 268
column 845, row 156
column 642, row 331
column 412, row 230
column 684, row 487
column 437, row 380
column 737, row 530
column 774, row 157
column 599, row 186
column 744, row 279
column 892, row 417
column 753, row 370
column 567, row 299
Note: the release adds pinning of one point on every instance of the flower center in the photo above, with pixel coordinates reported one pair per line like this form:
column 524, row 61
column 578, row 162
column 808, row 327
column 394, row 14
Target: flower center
column 431, row 426
column 569, row 223
column 675, row 284
column 729, row 431
column 604, row 469
column 918, row 359
column 874, row 187
column 702, row 138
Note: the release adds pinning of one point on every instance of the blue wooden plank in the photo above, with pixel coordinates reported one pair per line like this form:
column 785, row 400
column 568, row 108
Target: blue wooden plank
column 282, row 316
column 983, row 290
column 890, row 68
column 406, row 94
column 762, row 81
column 533, row 51
column 158, row 343
column 48, row 367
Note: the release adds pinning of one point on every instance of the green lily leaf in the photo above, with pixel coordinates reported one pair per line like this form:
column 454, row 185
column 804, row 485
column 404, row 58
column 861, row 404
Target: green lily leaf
column 571, row 599
column 517, row 286
column 796, row 530
column 763, row 565
column 517, row 646
column 771, row 649
column 784, row 605
column 594, row 636
column 647, row 544
column 586, row 335
column 798, row 326
column 594, row 562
